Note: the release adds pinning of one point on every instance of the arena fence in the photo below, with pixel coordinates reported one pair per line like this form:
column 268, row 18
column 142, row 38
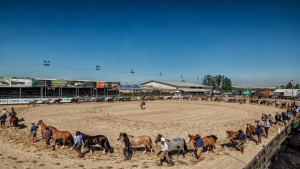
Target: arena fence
column 263, row 159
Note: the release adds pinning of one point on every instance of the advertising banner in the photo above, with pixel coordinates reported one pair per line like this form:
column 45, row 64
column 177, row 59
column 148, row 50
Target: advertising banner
column 100, row 84
column 115, row 85
column 217, row 92
column 75, row 84
column 107, row 85
column 129, row 86
column 59, row 83
column 5, row 82
column 39, row 100
column 266, row 92
column 41, row 83
column 21, row 82
column 3, row 101
column 289, row 92
column 89, row 84
column 246, row 92
column 236, row 92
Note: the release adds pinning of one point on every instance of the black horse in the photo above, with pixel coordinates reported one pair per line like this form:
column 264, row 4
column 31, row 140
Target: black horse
column 75, row 100
column 94, row 140
column 110, row 100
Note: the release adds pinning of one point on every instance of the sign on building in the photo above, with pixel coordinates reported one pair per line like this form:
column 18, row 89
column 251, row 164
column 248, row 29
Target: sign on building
column 246, row 92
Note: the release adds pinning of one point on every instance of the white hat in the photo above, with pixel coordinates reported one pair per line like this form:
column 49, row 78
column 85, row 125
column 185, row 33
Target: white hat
column 162, row 139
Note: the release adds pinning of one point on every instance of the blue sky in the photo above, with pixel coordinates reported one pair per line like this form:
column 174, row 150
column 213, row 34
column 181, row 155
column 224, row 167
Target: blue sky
column 254, row 41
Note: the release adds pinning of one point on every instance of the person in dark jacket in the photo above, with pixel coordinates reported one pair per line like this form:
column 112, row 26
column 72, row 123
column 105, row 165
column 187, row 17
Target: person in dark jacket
column 285, row 118
column 48, row 136
column 33, row 131
column 241, row 137
column 259, row 132
column 127, row 149
column 199, row 146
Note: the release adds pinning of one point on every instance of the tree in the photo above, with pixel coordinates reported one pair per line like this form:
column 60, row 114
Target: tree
column 289, row 85
column 217, row 82
column 297, row 86
column 282, row 87
column 183, row 80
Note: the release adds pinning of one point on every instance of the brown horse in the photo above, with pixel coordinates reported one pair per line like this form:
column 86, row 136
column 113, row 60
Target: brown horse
column 33, row 102
column 61, row 135
column 283, row 105
column 185, row 98
column 195, row 98
column 176, row 98
column 250, row 130
column 110, row 100
column 100, row 100
column 204, row 98
column 161, row 97
column 13, row 121
column 208, row 141
column 138, row 140
column 231, row 134
column 217, row 99
column 43, row 127
column 169, row 98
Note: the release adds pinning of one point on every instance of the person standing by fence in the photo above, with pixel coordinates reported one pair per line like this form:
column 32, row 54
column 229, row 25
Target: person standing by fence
column 267, row 127
column 270, row 120
column 295, row 126
column 259, row 132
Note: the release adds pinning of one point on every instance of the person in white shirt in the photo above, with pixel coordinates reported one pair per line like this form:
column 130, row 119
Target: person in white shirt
column 267, row 127
column 164, row 156
column 4, row 112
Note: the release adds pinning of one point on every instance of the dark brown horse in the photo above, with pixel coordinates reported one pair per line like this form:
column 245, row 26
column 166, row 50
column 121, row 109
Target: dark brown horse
column 283, row 105
column 186, row 98
column 204, row 98
column 13, row 121
column 278, row 118
column 176, row 98
column 169, row 98
column 101, row 100
column 217, row 99
column 138, row 140
column 61, row 135
column 110, row 100
column 161, row 97
column 254, row 101
column 208, row 141
column 264, row 117
column 101, row 140
column 195, row 98
column 43, row 127
column 75, row 100
column 57, row 101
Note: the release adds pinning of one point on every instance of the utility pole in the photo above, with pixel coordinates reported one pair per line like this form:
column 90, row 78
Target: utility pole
column 97, row 68
column 46, row 63
column 197, row 79
column 132, row 72
column 292, row 89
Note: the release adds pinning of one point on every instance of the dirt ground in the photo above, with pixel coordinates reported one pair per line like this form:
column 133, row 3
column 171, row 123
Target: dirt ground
column 172, row 119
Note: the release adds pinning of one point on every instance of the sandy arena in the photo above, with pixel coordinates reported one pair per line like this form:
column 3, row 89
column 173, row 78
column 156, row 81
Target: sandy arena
column 170, row 118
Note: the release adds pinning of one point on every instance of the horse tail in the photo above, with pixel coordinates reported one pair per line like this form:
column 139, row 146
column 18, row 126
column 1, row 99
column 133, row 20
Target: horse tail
column 184, row 145
column 71, row 139
column 215, row 137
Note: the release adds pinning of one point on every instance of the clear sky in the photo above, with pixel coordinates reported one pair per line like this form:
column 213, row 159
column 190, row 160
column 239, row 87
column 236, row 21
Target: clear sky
column 254, row 41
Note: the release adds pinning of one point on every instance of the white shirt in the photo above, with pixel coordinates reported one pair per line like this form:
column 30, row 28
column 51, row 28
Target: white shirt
column 164, row 147
column 4, row 112
column 266, row 124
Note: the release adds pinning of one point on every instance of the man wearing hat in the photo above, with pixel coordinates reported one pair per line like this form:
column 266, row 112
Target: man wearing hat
column 127, row 149
column 241, row 140
column 48, row 136
column 164, row 156
column 3, row 118
column 33, row 131
column 198, row 143
column 78, row 144
column 259, row 132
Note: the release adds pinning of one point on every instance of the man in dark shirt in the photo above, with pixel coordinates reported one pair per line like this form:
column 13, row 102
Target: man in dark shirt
column 241, row 140
column 48, row 136
column 127, row 148
column 33, row 131
column 199, row 144
column 259, row 132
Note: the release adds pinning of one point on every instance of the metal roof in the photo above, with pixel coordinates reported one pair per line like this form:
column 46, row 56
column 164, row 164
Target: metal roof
column 193, row 90
column 178, row 84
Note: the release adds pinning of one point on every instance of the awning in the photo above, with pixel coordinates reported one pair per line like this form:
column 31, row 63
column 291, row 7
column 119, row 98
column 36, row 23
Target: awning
column 193, row 90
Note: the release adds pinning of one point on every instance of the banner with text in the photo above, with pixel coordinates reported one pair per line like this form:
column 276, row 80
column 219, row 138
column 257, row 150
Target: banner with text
column 5, row 82
column 129, row 86
column 21, row 82
column 75, row 84
column 246, row 92
column 236, row 92
column 41, row 83
column 217, row 92
column 89, row 84
column 100, row 84
column 59, row 83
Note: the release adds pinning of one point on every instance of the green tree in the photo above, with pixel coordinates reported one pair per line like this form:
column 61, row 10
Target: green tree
column 218, row 81
column 282, row 87
column 297, row 86
column 289, row 85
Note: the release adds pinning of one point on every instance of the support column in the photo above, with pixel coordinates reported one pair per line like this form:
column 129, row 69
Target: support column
column 20, row 92
column 41, row 91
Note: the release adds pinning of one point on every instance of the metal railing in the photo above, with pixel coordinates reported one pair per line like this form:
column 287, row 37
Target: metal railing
column 262, row 160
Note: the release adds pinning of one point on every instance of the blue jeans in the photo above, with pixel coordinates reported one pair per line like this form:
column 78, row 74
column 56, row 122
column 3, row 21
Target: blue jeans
column 270, row 121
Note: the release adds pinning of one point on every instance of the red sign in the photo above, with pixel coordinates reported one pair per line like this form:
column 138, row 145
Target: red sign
column 100, row 84
column 266, row 92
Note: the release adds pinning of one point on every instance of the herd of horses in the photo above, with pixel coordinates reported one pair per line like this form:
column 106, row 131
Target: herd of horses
column 135, row 141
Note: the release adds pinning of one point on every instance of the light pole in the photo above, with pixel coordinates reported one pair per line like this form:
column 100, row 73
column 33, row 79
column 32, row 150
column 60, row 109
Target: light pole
column 197, row 79
column 46, row 63
column 160, row 83
column 97, row 68
column 132, row 72
column 292, row 89
column 247, row 87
